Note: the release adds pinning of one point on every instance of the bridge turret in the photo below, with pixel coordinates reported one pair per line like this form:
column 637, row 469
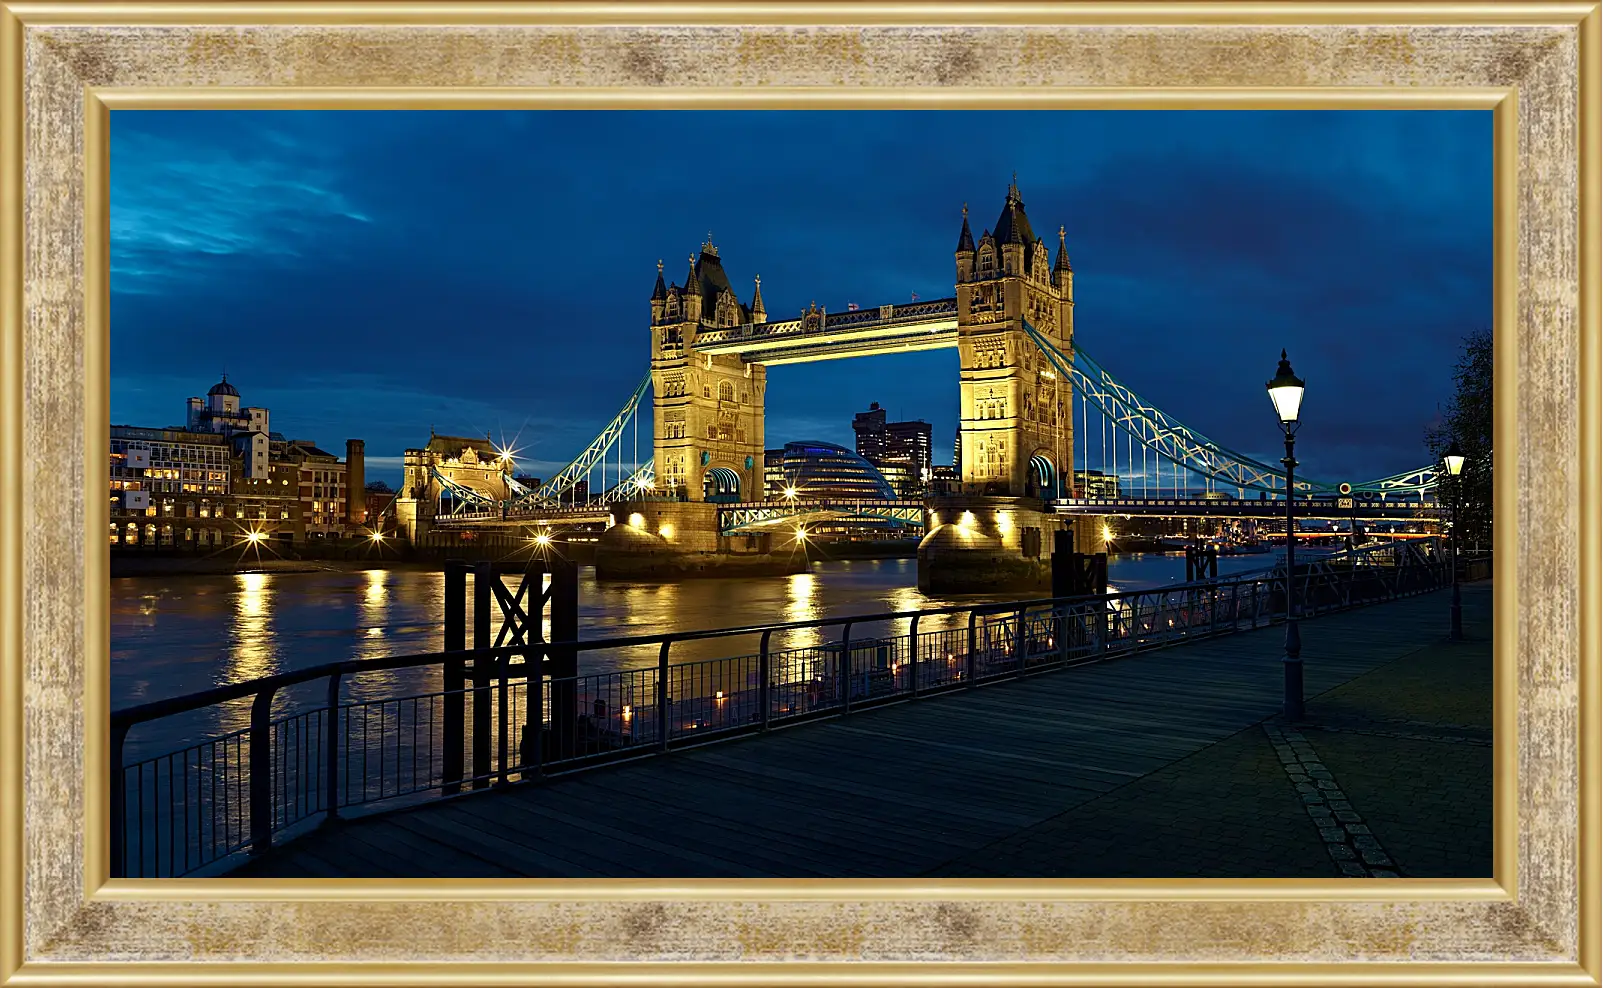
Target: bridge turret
column 965, row 250
column 659, row 297
column 1063, row 271
column 692, row 293
column 758, row 313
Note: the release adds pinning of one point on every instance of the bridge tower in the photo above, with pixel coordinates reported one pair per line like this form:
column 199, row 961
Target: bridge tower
column 707, row 409
column 1017, row 427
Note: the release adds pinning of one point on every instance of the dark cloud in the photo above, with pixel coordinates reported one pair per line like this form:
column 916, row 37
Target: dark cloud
column 373, row 274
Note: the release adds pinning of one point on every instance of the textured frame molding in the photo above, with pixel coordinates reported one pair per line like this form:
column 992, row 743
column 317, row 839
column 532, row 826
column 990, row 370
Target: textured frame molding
column 64, row 66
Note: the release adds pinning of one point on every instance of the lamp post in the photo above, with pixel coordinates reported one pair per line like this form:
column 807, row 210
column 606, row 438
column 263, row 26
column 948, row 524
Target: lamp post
column 1285, row 391
column 1453, row 460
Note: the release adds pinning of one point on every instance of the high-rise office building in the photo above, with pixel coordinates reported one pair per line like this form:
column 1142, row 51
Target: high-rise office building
column 870, row 429
column 900, row 449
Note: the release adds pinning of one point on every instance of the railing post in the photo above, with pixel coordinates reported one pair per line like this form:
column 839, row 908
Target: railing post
column 535, row 719
column 482, row 575
column 261, row 772
column 1067, row 623
column 119, row 802
column 973, row 617
column 453, row 713
column 662, row 696
column 1020, row 653
column 502, row 663
column 912, row 656
column 846, row 669
column 331, row 757
column 765, row 677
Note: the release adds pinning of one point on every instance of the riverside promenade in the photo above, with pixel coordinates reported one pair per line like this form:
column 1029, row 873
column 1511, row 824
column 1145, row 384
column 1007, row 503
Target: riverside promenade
column 1170, row 763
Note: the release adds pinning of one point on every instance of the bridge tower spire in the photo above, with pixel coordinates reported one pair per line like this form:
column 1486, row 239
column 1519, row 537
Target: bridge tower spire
column 965, row 250
column 1016, row 432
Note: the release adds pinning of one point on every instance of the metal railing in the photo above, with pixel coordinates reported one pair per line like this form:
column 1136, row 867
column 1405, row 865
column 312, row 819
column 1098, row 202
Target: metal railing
column 493, row 724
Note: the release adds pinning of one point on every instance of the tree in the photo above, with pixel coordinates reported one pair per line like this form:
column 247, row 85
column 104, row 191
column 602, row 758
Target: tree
column 378, row 487
column 1467, row 419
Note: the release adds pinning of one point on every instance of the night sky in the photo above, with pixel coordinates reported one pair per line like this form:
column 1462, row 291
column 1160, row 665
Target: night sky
column 373, row 274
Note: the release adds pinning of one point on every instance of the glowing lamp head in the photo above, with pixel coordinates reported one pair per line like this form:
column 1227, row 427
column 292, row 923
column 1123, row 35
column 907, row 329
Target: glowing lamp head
column 801, row 534
column 542, row 540
column 254, row 537
column 1453, row 459
column 790, row 493
column 378, row 536
column 1107, row 533
column 1286, row 392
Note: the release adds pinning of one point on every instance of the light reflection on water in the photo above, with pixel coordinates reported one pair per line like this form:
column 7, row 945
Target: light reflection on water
column 176, row 635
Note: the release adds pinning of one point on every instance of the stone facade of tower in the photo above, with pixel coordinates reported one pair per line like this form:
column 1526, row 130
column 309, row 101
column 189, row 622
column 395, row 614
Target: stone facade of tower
column 1016, row 411
column 707, row 409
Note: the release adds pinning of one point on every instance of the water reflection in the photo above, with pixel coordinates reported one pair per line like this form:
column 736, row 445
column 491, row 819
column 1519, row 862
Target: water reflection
column 253, row 655
column 373, row 613
column 802, row 605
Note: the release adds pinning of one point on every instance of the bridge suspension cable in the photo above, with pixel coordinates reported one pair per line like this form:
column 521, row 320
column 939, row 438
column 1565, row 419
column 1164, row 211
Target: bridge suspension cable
column 567, row 479
column 1171, row 441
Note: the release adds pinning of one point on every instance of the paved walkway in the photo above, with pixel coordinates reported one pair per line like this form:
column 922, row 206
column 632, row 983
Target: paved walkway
column 1167, row 764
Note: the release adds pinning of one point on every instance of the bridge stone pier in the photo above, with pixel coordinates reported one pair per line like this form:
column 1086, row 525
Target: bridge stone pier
column 982, row 543
column 660, row 540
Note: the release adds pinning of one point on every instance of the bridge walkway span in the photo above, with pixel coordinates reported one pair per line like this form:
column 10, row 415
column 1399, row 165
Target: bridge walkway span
column 897, row 791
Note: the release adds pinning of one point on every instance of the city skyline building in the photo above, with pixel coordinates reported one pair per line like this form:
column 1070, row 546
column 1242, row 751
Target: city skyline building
column 901, row 450
column 225, row 473
column 820, row 469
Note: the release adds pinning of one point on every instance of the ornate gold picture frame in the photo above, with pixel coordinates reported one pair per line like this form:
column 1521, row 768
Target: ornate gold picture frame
column 65, row 66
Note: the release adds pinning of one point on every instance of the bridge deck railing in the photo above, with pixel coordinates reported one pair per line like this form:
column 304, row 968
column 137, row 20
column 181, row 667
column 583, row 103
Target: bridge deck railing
column 288, row 766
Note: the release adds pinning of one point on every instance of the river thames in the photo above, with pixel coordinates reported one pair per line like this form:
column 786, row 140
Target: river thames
column 172, row 635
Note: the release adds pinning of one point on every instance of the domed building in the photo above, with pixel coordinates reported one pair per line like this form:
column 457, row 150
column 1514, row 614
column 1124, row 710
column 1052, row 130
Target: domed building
column 819, row 469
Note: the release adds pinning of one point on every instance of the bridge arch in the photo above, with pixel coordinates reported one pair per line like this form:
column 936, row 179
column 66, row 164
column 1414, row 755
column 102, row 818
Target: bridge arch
column 1042, row 477
column 720, row 484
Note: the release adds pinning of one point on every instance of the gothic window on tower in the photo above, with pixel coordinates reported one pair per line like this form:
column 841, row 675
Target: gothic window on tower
column 726, row 391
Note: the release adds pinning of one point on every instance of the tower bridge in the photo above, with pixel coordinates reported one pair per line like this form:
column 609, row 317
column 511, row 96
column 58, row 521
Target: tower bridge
column 1033, row 404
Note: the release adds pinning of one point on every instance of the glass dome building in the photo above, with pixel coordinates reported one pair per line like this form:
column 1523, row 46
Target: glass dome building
column 817, row 469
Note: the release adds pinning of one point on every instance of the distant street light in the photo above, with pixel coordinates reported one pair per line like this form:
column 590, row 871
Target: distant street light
column 1286, row 392
column 1454, row 462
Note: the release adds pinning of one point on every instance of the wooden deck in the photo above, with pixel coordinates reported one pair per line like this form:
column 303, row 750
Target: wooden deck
column 891, row 792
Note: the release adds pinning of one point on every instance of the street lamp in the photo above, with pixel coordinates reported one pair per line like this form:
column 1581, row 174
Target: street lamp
column 1453, row 460
column 1286, row 393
